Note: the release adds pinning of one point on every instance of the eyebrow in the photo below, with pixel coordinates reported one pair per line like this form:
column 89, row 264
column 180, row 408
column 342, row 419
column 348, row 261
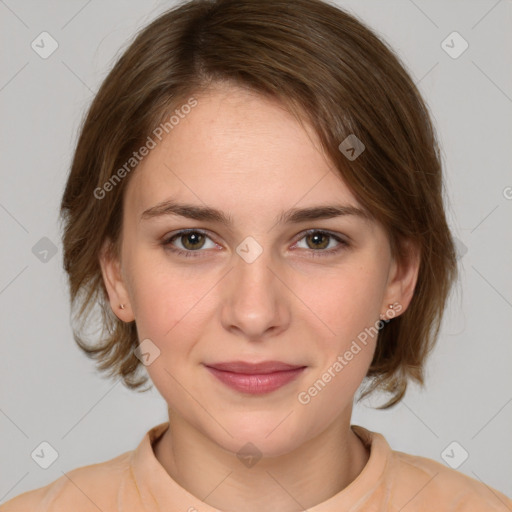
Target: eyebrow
column 292, row 216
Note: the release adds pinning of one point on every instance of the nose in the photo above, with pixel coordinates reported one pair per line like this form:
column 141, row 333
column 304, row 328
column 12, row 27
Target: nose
column 255, row 300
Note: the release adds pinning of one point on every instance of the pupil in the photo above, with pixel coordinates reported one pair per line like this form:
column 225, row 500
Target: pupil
column 192, row 239
column 317, row 239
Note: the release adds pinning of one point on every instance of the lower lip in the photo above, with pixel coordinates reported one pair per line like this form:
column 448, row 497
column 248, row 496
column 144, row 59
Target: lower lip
column 256, row 384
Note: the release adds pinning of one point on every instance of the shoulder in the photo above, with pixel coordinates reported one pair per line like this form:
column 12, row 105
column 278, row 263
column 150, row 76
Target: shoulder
column 87, row 488
column 426, row 481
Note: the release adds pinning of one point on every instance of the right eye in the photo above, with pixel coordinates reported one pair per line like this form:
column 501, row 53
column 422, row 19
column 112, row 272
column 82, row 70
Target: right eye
column 191, row 240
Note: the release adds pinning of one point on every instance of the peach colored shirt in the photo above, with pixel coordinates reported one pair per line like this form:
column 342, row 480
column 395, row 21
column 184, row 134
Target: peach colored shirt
column 391, row 481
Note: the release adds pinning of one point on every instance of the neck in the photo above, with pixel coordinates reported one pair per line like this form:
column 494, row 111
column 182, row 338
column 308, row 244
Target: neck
column 286, row 483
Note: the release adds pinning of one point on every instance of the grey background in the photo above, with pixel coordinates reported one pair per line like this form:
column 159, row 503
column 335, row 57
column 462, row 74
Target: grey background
column 49, row 390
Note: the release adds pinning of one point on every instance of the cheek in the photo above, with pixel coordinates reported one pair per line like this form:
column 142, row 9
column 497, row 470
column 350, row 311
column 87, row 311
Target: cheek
column 346, row 300
column 349, row 305
column 169, row 311
column 167, row 299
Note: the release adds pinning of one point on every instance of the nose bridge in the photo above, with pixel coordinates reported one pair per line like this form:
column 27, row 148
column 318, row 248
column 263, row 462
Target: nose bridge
column 253, row 303
column 252, row 267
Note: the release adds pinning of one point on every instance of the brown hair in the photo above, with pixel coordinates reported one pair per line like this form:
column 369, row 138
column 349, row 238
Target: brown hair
column 328, row 69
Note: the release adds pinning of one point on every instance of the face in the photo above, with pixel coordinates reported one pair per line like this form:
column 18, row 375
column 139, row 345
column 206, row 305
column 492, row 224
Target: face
column 261, row 287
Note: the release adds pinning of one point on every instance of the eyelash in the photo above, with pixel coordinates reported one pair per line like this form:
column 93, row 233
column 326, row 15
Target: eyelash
column 314, row 253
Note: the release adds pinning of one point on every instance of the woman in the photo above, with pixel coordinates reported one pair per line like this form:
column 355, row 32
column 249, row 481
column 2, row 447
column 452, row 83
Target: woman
column 255, row 204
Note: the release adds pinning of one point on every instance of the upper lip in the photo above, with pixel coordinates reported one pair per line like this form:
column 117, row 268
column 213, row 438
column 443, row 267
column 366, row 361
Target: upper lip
column 254, row 368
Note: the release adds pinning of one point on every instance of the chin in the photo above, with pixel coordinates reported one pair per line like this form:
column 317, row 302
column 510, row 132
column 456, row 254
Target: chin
column 270, row 435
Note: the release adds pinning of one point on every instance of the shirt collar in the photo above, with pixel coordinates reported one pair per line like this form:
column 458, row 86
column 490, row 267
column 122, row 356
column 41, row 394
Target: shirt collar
column 158, row 491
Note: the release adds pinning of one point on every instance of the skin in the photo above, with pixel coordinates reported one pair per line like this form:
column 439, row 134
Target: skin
column 247, row 156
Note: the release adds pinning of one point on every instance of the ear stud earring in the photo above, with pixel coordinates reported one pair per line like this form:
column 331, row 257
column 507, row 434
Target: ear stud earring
column 121, row 306
column 383, row 316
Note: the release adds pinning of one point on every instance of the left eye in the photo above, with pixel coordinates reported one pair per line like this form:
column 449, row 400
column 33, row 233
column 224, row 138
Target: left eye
column 319, row 241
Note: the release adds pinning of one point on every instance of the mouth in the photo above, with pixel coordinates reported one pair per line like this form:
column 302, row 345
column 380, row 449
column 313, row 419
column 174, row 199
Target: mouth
column 255, row 378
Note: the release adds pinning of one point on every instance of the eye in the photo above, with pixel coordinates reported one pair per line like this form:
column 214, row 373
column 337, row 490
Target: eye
column 191, row 240
column 317, row 242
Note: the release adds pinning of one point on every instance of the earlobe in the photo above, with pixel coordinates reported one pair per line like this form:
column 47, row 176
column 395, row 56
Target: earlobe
column 114, row 283
column 403, row 278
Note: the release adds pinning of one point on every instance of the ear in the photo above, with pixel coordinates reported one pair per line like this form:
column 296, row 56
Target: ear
column 115, row 284
column 402, row 279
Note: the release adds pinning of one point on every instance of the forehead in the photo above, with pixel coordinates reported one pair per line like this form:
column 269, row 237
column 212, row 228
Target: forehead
column 236, row 148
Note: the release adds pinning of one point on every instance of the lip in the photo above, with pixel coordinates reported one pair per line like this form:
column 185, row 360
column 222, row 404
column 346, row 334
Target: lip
column 254, row 368
column 255, row 378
